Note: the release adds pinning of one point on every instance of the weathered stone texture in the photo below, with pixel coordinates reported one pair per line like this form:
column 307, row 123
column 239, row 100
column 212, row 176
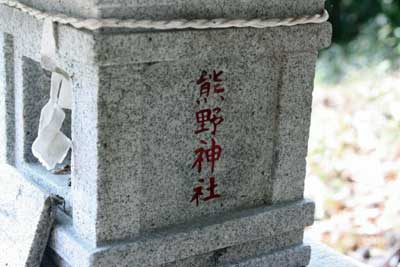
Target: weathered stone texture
column 134, row 103
column 26, row 217
column 7, row 116
column 241, row 235
column 172, row 9
column 322, row 256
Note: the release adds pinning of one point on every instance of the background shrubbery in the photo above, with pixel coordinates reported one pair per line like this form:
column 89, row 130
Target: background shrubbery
column 366, row 33
column 350, row 16
column 353, row 163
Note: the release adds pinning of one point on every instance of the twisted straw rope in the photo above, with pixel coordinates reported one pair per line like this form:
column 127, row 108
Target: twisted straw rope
column 95, row 24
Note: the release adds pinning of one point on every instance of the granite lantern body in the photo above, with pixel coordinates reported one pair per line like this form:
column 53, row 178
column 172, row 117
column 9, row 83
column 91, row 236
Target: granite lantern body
column 188, row 145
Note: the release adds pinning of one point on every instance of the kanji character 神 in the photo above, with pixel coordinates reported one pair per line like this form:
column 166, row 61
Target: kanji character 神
column 212, row 155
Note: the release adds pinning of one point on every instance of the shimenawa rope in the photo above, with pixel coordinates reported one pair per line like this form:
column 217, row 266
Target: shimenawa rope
column 95, row 24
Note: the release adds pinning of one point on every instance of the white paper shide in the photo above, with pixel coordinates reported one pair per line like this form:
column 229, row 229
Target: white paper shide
column 52, row 146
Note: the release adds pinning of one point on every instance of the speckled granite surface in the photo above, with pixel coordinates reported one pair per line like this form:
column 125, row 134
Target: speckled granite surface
column 26, row 217
column 323, row 256
column 135, row 106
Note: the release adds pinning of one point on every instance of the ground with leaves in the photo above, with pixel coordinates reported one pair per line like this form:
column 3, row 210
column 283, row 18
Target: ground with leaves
column 353, row 164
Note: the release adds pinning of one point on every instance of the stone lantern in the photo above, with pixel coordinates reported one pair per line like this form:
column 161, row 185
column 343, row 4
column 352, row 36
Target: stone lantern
column 188, row 146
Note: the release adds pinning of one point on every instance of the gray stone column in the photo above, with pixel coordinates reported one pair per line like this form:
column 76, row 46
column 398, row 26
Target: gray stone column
column 130, row 201
column 7, row 121
column 293, row 124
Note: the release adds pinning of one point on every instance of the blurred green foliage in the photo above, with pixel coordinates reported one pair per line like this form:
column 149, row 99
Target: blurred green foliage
column 350, row 16
column 366, row 34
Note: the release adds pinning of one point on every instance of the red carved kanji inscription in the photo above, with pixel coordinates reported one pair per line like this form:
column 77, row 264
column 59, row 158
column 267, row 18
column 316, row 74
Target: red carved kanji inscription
column 208, row 119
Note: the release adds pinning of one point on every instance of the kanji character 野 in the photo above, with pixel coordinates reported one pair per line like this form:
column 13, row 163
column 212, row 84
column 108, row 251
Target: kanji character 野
column 208, row 115
column 212, row 155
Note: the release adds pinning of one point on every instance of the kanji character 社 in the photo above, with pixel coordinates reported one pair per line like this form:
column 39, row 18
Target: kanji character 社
column 198, row 191
column 211, row 189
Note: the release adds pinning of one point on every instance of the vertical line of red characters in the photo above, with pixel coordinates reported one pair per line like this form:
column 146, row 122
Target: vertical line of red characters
column 208, row 120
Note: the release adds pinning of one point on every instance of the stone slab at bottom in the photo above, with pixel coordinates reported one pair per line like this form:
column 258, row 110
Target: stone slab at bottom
column 296, row 256
column 323, row 256
column 26, row 217
column 251, row 237
column 291, row 257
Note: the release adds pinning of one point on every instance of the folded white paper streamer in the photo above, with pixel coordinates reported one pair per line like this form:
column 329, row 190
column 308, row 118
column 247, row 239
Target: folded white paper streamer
column 52, row 146
column 48, row 46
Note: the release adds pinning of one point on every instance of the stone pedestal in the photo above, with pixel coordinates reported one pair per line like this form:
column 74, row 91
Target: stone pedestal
column 324, row 256
column 143, row 121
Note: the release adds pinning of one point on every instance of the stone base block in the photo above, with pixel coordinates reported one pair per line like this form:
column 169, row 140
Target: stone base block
column 26, row 217
column 289, row 257
column 322, row 256
column 265, row 236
